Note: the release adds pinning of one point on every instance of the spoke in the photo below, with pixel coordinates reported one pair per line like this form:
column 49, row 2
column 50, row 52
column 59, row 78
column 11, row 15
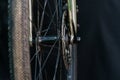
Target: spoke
column 51, row 12
column 58, row 56
column 57, row 61
column 50, row 9
column 52, row 19
column 44, row 63
column 38, row 15
column 35, row 68
column 39, row 61
column 42, row 18
column 34, row 56
column 36, row 62
column 41, row 7
column 40, row 4
column 55, row 12
column 50, row 23
column 49, row 54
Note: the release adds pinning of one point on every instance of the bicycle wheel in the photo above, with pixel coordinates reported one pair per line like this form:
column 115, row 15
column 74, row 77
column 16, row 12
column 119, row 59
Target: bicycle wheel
column 51, row 55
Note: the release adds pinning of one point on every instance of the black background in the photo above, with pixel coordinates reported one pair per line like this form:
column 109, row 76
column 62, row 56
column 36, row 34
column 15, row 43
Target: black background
column 4, row 69
column 99, row 49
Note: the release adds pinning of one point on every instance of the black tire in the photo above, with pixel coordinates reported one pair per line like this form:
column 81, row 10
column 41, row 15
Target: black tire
column 48, row 63
column 18, row 40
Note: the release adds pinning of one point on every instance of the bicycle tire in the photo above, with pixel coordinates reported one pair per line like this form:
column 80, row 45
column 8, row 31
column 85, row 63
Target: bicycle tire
column 18, row 40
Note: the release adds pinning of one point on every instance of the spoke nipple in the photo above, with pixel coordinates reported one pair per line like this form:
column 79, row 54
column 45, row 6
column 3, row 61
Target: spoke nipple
column 77, row 6
column 77, row 10
column 69, row 77
column 78, row 38
column 66, row 51
column 78, row 25
column 65, row 14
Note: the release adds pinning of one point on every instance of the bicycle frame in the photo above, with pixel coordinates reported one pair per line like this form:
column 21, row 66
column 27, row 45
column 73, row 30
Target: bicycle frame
column 73, row 32
column 72, row 19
